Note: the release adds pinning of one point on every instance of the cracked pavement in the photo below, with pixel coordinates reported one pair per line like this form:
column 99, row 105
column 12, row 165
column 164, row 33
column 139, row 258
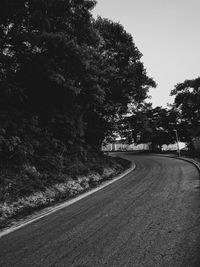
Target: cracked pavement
column 151, row 217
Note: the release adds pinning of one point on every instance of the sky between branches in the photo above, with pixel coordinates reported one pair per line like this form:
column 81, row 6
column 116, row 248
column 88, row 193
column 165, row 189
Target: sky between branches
column 167, row 32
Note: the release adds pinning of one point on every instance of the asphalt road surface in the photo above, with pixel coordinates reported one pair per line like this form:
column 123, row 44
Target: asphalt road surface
column 151, row 217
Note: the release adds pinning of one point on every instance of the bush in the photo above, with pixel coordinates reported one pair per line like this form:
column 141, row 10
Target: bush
column 51, row 163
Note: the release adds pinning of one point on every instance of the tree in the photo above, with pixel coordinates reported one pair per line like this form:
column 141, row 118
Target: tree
column 65, row 78
column 187, row 103
column 123, row 79
column 151, row 125
column 45, row 50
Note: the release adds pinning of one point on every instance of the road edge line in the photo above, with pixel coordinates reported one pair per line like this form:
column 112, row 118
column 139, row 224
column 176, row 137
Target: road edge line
column 49, row 210
column 192, row 161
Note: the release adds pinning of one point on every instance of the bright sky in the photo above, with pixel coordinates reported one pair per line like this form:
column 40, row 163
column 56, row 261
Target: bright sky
column 167, row 33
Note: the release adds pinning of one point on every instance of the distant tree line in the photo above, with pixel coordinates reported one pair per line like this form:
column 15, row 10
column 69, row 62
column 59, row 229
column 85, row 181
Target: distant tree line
column 145, row 124
column 157, row 126
column 66, row 78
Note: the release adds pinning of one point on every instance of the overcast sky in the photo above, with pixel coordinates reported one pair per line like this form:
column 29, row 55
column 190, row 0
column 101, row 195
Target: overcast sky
column 167, row 32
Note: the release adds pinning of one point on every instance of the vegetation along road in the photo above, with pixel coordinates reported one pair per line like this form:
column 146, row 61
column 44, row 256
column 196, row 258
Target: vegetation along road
column 151, row 217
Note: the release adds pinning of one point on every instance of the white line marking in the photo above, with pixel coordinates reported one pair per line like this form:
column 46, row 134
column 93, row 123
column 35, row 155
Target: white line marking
column 65, row 204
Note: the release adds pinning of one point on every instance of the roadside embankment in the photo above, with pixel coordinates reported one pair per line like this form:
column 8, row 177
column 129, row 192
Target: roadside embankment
column 31, row 190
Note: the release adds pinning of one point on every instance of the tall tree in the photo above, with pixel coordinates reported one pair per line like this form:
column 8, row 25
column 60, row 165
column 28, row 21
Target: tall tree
column 65, row 78
column 123, row 78
column 45, row 50
column 187, row 103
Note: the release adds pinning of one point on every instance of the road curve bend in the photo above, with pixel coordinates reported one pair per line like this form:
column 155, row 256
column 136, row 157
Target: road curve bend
column 151, row 217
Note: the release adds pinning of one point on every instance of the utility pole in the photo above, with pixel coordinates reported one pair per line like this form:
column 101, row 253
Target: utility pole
column 178, row 149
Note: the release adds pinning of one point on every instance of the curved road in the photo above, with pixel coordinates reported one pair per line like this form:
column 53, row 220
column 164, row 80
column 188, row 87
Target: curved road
column 151, row 217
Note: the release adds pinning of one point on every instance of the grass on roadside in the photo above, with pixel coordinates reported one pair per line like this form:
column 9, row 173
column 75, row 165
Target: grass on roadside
column 28, row 189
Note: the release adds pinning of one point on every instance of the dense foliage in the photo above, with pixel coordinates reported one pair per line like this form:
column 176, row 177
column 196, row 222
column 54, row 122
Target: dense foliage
column 187, row 104
column 146, row 124
column 65, row 79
